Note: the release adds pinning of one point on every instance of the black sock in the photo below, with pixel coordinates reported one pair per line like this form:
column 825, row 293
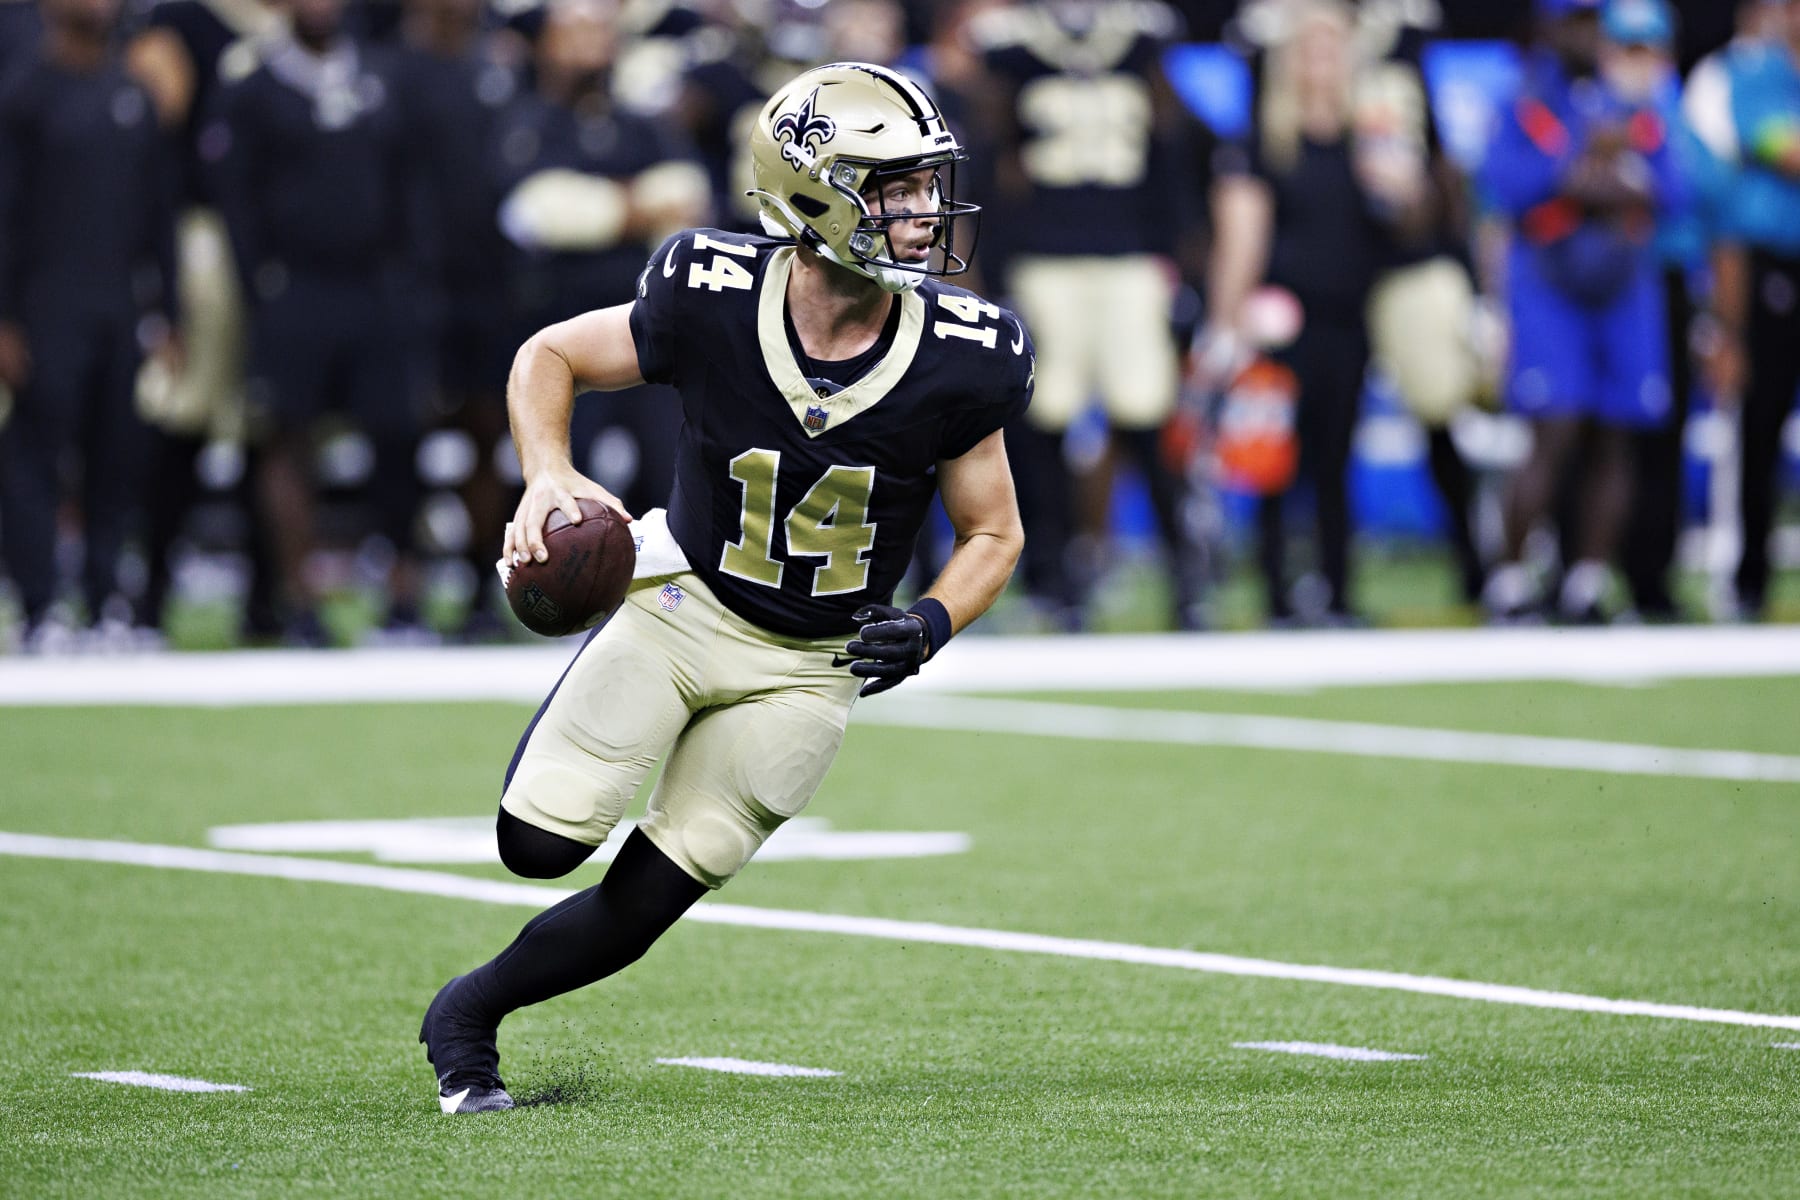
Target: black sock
column 585, row 938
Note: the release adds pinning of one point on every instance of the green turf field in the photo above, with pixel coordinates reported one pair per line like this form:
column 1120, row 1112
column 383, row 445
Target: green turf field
column 963, row 1071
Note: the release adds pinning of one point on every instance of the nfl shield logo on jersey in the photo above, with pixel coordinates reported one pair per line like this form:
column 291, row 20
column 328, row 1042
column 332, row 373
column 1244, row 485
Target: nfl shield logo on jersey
column 671, row 597
column 816, row 418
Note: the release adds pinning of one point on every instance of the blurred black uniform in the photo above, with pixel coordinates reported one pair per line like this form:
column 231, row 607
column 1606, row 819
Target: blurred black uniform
column 552, row 285
column 452, row 107
column 453, row 103
column 205, row 30
column 720, row 100
column 86, row 252
column 20, row 27
column 317, row 188
column 205, row 34
column 1326, row 250
column 1093, row 186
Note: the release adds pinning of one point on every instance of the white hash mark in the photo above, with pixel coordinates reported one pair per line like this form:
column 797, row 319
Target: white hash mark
column 742, row 1066
column 1327, row 1050
column 167, row 1083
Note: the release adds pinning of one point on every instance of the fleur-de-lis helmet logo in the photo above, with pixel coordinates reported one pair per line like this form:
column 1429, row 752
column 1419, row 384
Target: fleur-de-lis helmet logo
column 801, row 132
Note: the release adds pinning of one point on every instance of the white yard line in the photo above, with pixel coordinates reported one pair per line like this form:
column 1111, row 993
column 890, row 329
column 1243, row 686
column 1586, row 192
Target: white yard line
column 1093, row 722
column 273, row 677
column 743, row 1066
column 165, row 1083
column 463, row 887
column 1327, row 1050
column 1231, row 661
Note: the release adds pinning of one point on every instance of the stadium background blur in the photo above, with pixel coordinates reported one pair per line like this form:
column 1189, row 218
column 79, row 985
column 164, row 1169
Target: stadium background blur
column 303, row 440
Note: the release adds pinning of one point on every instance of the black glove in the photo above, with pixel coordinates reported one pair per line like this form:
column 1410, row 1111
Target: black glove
column 890, row 646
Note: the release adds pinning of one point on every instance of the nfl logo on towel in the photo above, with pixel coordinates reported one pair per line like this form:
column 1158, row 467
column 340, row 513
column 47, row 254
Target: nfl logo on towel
column 671, row 597
column 815, row 418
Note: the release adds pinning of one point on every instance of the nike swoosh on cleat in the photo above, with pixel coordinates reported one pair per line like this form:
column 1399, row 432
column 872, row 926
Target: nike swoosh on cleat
column 451, row 1103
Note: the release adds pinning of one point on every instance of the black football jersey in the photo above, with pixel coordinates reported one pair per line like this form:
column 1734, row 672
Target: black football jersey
column 1085, row 126
column 797, row 503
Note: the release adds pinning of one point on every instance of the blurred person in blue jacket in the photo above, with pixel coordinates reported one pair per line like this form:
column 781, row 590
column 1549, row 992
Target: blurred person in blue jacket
column 1583, row 166
column 1745, row 104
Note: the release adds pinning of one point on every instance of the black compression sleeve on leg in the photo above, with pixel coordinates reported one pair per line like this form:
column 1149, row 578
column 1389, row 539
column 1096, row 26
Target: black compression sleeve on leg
column 537, row 853
column 587, row 937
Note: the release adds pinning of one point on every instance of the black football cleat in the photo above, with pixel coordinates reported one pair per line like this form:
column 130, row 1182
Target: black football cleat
column 466, row 1058
column 464, row 1093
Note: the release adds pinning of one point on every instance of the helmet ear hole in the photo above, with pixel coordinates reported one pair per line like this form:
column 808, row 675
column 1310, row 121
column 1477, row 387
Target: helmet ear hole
column 808, row 206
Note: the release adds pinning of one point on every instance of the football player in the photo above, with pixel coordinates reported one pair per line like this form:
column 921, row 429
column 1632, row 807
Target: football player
column 86, row 259
column 830, row 384
column 1093, row 170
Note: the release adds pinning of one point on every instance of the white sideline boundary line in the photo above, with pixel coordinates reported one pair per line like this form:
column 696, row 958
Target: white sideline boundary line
column 743, row 1066
column 1227, row 661
column 463, row 887
column 1327, row 1050
column 1094, row 722
column 164, row 1083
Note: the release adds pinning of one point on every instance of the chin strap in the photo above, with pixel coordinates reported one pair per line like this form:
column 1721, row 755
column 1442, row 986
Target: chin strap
column 888, row 279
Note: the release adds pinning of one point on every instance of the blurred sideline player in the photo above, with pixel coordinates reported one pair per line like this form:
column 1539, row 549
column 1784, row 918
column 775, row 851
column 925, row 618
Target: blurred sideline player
column 830, row 384
column 1093, row 195
column 179, row 54
column 87, row 264
column 455, row 79
column 588, row 189
column 1585, row 169
column 1745, row 103
column 314, row 176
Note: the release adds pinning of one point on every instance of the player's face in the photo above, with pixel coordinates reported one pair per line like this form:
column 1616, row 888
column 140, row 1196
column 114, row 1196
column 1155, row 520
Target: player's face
column 580, row 37
column 92, row 17
column 316, row 22
column 915, row 192
column 1576, row 40
column 1637, row 73
column 1322, row 54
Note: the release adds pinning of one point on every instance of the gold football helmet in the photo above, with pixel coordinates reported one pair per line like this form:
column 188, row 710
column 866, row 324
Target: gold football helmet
column 822, row 150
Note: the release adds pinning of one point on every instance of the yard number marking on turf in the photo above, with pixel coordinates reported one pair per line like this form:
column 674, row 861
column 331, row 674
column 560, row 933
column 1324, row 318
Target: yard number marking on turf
column 1327, row 1050
column 493, row 891
column 743, row 1066
column 165, row 1083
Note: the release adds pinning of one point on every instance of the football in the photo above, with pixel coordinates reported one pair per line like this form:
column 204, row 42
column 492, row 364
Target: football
column 583, row 580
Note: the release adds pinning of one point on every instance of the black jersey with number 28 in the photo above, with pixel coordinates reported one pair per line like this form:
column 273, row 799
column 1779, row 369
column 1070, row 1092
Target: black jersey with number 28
column 796, row 507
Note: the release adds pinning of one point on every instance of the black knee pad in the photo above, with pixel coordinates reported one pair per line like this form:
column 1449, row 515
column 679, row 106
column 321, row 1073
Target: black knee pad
column 537, row 853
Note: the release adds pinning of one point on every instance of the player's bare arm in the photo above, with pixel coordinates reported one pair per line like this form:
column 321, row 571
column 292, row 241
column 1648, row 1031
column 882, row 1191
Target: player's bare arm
column 977, row 490
column 591, row 352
